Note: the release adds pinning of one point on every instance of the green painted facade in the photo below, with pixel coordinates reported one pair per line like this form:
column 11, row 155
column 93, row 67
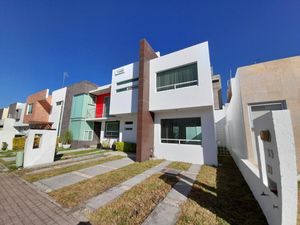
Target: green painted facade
column 80, row 128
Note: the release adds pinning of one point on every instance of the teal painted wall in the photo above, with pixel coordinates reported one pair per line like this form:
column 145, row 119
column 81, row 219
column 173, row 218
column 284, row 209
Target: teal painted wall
column 80, row 104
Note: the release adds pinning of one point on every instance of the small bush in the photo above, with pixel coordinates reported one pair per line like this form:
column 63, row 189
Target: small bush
column 105, row 144
column 67, row 137
column 4, row 146
column 125, row 146
column 19, row 143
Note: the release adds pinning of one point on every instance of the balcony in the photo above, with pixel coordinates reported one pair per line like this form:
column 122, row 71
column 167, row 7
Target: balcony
column 92, row 114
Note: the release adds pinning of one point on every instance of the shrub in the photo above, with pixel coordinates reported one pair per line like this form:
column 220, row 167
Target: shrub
column 105, row 144
column 19, row 143
column 67, row 137
column 125, row 146
column 4, row 146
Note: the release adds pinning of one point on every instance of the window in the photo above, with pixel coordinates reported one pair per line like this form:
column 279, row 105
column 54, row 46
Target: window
column 181, row 131
column 18, row 114
column 128, row 81
column 106, row 106
column 112, row 129
column 128, row 125
column 180, row 77
column 59, row 103
column 127, row 88
column 88, row 135
column 37, row 141
column 29, row 109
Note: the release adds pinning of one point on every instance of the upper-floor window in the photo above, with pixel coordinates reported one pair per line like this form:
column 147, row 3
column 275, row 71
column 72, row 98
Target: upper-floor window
column 179, row 77
column 29, row 109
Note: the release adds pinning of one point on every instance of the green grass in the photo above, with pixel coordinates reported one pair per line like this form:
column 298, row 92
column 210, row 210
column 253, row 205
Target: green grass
column 298, row 217
column 134, row 206
column 7, row 154
column 54, row 172
column 11, row 165
column 221, row 196
column 179, row 165
column 73, row 195
column 69, row 155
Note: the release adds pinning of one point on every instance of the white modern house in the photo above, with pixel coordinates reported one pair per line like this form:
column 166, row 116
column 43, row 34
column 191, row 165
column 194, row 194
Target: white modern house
column 176, row 91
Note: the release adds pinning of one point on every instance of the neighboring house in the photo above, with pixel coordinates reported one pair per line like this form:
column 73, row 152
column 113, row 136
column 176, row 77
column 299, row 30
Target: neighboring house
column 38, row 109
column 3, row 113
column 73, row 119
column 217, row 90
column 57, row 103
column 258, row 88
column 17, row 111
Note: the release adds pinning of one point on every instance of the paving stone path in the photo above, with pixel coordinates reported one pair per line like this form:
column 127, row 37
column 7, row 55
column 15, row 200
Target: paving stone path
column 167, row 212
column 57, row 182
column 22, row 204
column 114, row 192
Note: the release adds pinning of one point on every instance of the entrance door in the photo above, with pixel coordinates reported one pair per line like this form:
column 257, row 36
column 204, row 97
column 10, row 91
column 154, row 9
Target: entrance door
column 97, row 130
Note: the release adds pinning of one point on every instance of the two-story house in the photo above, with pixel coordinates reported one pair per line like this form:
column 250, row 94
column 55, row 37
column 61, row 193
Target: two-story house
column 163, row 103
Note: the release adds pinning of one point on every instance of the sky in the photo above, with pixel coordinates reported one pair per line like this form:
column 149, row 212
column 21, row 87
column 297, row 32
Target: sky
column 42, row 39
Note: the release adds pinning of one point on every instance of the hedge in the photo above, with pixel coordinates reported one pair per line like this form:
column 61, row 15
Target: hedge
column 19, row 143
column 125, row 146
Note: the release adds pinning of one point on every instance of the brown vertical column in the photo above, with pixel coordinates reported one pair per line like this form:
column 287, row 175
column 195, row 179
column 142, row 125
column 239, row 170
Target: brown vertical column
column 145, row 119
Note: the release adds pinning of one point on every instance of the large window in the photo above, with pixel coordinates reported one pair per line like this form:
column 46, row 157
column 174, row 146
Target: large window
column 112, row 129
column 29, row 109
column 180, row 77
column 88, row 135
column 181, row 131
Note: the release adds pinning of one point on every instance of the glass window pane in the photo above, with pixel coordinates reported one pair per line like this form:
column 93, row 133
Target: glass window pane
column 183, row 76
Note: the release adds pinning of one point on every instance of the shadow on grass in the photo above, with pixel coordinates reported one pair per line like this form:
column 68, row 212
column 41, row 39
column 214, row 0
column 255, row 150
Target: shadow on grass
column 226, row 195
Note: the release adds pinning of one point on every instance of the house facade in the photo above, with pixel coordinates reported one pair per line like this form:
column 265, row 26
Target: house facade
column 164, row 104
column 257, row 89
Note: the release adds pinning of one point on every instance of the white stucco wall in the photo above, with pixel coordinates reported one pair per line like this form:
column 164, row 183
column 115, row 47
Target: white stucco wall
column 57, row 110
column 235, row 128
column 186, row 97
column 8, row 132
column 198, row 154
column 281, row 209
column 45, row 153
column 21, row 106
column 126, row 101
column 220, row 123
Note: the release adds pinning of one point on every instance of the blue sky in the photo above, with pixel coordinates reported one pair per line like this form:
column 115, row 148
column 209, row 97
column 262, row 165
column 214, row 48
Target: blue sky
column 40, row 39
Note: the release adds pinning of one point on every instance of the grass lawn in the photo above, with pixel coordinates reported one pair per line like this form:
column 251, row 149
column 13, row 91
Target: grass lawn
column 134, row 206
column 179, row 165
column 69, row 155
column 73, row 195
column 221, row 196
column 46, row 174
column 7, row 154
column 11, row 165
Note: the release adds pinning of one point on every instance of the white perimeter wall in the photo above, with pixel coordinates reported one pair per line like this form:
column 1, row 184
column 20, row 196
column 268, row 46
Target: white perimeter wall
column 235, row 128
column 126, row 101
column 192, row 96
column 55, row 115
column 46, row 151
column 197, row 154
column 8, row 132
column 220, row 123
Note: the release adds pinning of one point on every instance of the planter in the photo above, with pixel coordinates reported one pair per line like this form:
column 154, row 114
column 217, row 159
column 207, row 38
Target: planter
column 66, row 146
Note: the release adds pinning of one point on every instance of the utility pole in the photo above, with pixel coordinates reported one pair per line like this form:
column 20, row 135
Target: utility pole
column 65, row 75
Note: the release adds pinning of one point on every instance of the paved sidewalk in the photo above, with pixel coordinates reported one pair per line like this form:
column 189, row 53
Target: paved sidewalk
column 57, row 182
column 22, row 204
column 167, row 212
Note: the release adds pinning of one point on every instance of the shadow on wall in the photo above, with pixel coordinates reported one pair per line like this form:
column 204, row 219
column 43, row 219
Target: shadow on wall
column 220, row 196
